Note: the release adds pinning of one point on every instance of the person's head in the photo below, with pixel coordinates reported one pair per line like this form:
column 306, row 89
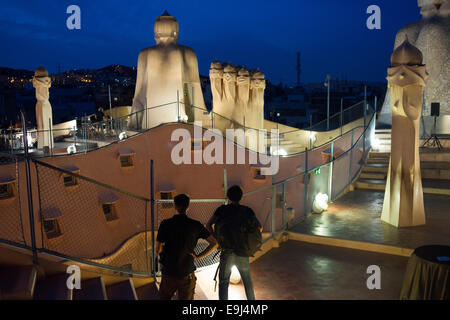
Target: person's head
column 181, row 203
column 234, row 194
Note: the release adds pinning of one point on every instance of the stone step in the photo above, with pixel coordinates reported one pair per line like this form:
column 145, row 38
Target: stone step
column 377, row 160
column 426, row 155
column 383, row 136
column 53, row 288
column 429, row 170
column 383, row 130
column 376, row 168
column 17, row 283
column 148, row 292
column 379, row 155
column 123, row 290
column 92, row 289
column 374, row 175
column 430, row 186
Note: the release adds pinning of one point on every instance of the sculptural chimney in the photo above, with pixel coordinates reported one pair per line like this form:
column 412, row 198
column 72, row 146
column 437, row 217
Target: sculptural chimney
column 44, row 117
column 403, row 200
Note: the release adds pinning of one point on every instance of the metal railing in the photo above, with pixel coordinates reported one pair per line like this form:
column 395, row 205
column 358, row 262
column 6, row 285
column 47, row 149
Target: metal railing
column 87, row 136
column 89, row 212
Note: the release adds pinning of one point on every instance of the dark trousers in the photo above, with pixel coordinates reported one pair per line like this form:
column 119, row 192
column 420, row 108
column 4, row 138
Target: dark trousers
column 227, row 261
column 185, row 287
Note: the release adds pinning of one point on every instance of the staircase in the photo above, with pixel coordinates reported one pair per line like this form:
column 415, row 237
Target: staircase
column 435, row 167
column 27, row 283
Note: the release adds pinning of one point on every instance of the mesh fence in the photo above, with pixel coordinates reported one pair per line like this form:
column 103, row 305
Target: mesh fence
column 84, row 219
column 12, row 206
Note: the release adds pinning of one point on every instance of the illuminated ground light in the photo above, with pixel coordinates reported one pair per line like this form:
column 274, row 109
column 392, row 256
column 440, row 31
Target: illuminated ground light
column 375, row 142
column 312, row 138
column 320, row 203
column 122, row 135
column 280, row 152
column 235, row 277
column 71, row 149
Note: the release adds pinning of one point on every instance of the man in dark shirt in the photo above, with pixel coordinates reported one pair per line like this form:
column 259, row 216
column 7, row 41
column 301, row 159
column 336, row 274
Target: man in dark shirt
column 228, row 258
column 176, row 241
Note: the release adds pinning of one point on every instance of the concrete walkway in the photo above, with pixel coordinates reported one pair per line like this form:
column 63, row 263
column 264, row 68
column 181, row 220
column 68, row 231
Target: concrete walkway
column 300, row 271
column 356, row 216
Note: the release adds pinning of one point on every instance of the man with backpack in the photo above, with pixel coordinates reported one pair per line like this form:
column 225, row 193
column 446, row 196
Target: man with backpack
column 176, row 241
column 238, row 232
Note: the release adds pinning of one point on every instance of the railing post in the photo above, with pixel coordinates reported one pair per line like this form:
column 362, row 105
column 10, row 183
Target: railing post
column 137, row 122
column 29, row 190
column 284, row 206
column 330, row 171
column 178, row 106
column 342, row 114
column 51, row 136
column 306, row 182
column 365, row 121
column 225, row 184
column 274, row 207
column 351, row 158
column 152, row 217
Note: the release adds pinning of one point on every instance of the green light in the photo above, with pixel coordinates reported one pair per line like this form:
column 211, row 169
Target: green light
column 317, row 172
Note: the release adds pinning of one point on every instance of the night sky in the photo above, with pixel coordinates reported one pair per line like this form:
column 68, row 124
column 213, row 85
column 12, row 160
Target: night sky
column 331, row 34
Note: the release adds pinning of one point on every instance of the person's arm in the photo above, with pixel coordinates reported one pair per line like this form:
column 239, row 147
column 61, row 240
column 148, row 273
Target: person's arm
column 159, row 247
column 209, row 249
column 161, row 238
column 210, row 223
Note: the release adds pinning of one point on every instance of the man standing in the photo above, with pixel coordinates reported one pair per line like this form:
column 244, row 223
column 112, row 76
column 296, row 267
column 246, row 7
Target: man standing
column 176, row 241
column 238, row 233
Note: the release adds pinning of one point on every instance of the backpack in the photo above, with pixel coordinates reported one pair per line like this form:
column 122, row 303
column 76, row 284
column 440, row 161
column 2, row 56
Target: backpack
column 238, row 230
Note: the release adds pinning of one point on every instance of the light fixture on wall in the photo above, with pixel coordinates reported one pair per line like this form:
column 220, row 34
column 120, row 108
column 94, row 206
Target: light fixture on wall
column 320, row 203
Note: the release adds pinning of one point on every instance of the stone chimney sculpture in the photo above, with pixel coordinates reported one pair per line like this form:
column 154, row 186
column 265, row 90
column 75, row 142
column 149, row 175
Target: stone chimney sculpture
column 403, row 200
column 238, row 94
column 44, row 118
column 166, row 72
column 432, row 37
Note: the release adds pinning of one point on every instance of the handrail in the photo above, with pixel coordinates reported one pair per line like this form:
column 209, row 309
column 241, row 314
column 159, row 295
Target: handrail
column 120, row 270
column 86, row 127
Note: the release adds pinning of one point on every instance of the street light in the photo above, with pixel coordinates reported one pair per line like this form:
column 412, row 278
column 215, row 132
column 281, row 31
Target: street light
column 327, row 84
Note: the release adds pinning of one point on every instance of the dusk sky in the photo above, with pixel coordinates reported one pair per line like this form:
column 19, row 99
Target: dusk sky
column 331, row 34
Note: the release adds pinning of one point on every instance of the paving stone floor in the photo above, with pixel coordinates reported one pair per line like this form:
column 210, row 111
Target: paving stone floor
column 301, row 271
column 356, row 216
